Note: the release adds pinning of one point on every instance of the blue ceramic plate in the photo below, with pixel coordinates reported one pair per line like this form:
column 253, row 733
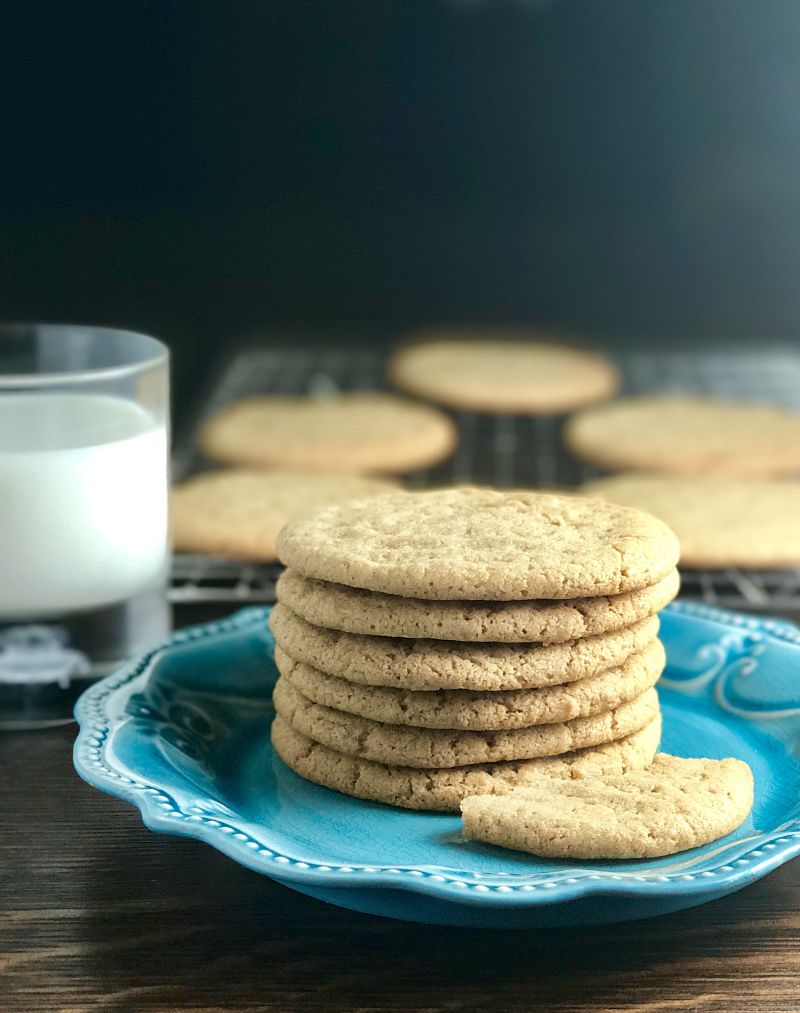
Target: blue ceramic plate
column 182, row 734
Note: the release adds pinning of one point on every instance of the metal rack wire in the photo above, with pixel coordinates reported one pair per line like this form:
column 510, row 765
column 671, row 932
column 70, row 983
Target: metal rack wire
column 501, row 450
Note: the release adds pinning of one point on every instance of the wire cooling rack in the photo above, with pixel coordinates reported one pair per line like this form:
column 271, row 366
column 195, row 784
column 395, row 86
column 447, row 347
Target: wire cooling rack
column 500, row 450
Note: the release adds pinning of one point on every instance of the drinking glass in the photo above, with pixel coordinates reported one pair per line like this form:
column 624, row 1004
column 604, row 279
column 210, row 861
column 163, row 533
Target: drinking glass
column 84, row 548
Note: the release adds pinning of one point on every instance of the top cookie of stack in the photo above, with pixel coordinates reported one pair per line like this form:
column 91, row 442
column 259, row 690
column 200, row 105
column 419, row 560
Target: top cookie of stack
column 436, row 643
column 481, row 544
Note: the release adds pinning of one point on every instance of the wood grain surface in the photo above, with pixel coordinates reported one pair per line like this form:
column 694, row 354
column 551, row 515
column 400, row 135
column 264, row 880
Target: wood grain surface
column 97, row 913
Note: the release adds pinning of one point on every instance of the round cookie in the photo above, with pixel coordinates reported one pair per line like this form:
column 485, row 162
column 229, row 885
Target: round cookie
column 470, row 544
column 671, row 806
column 425, row 747
column 443, row 790
column 361, row 432
column 422, row 665
column 684, row 435
column 238, row 512
column 496, row 375
column 721, row 522
column 353, row 610
column 468, row 710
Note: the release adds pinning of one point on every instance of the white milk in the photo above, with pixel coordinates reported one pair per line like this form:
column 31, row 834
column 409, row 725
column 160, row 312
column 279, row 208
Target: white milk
column 83, row 502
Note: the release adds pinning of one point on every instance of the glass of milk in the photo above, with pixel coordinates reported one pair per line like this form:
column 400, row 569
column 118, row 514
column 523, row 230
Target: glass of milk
column 84, row 424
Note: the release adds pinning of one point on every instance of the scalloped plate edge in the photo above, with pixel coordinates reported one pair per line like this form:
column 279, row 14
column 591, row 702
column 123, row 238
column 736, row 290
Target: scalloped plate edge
column 96, row 763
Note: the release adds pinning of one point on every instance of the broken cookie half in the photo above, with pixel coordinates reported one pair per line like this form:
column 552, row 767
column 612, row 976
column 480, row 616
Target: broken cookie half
column 671, row 806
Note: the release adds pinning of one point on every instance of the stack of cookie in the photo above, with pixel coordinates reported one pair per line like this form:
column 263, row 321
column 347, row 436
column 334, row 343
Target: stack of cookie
column 444, row 644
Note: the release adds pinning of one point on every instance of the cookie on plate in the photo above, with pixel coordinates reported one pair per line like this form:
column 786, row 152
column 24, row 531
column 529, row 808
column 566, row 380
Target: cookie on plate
column 360, row 432
column 423, row 665
column 457, row 709
column 687, row 435
column 238, row 512
column 721, row 522
column 426, row 747
column 481, row 544
column 528, row 377
column 370, row 613
column 671, row 806
column 443, row 790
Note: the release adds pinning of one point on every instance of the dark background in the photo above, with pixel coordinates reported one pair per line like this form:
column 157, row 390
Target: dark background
column 202, row 170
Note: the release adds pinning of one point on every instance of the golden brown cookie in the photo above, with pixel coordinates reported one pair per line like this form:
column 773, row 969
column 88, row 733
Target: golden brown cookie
column 353, row 610
column 238, row 512
column 481, row 544
column 687, row 435
column 450, row 664
column 361, row 432
column 426, row 747
column 528, row 377
column 443, row 790
column 475, row 711
column 720, row 522
column 671, row 806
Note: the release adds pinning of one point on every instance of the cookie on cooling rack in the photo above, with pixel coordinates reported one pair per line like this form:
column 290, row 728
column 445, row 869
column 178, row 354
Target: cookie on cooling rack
column 360, row 432
column 238, row 512
column 721, row 522
column 501, row 372
column 687, row 435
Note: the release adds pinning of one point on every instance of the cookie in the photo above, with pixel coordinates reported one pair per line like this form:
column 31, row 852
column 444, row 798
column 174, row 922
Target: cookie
column 422, row 665
column 353, row 610
column 684, row 435
column 425, row 747
column 470, row 544
column 238, row 512
column 451, row 665
column 671, row 806
column 721, row 522
column 443, row 790
column 468, row 710
column 361, row 432
column 496, row 375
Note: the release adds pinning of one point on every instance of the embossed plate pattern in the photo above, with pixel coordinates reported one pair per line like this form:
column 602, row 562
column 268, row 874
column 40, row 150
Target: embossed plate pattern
column 182, row 733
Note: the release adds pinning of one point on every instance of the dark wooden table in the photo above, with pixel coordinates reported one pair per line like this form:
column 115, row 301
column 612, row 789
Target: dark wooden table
column 97, row 913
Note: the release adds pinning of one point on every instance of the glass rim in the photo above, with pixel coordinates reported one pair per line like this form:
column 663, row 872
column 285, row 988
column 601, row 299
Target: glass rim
column 159, row 356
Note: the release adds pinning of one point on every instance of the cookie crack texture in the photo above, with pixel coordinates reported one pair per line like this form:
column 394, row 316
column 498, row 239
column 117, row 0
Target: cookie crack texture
column 423, row 747
column 478, row 544
column 428, row 665
column 443, row 789
column 464, row 710
column 673, row 805
column 358, row 611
